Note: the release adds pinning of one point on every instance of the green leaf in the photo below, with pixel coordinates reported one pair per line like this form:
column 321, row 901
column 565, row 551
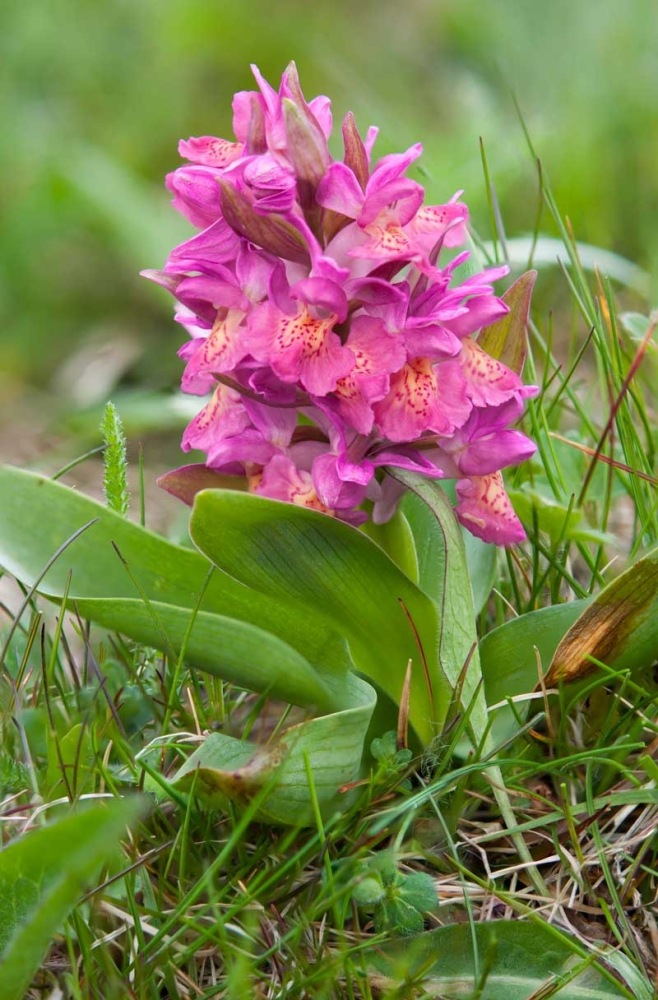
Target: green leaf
column 515, row 960
column 458, row 650
column 419, row 890
column 368, row 892
column 482, row 563
column 635, row 978
column 43, row 875
column 330, row 746
column 451, row 588
column 429, row 543
column 396, row 538
column 400, row 917
column 236, row 651
column 40, row 515
column 509, row 657
column 559, row 521
column 618, row 628
column 325, row 569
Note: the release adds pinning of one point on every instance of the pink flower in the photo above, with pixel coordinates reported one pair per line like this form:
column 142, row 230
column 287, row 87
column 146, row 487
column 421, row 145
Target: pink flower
column 490, row 383
column 485, row 509
column 389, row 214
column 331, row 335
column 280, row 479
column 223, row 416
column 207, row 151
column 485, row 443
column 232, row 429
column 196, row 194
column 299, row 347
column 312, row 486
column 376, row 356
column 221, row 351
column 423, row 397
column 298, row 341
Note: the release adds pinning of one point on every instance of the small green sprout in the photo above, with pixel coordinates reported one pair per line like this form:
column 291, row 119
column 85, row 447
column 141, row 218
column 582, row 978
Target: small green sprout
column 115, row 486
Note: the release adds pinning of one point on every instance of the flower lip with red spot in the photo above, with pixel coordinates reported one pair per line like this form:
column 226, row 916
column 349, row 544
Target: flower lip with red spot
column 376, row 356
column 490, row 382
column 423, row 397
column 208, row 151
column 220, row 351
column 486, row 510
column 432, row 223
column 299, row 348
column 326, row 297
column 223, row 416
column 387, row 240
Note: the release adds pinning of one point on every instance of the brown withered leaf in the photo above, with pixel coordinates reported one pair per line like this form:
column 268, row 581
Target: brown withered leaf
column 619, row 628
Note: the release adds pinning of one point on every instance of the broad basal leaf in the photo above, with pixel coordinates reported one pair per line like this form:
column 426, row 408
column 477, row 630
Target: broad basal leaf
column 429, row 544
column 512, row 656
column 323, row 568
column 458, row 653
column 42, row 876
column 458, row 647
column 277, row 774
column 510, row 959
column 134, row 581
column 236, row 651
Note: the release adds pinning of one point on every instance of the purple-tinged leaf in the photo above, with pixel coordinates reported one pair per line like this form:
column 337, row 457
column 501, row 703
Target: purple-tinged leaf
column 506, row 339
column 185, row 482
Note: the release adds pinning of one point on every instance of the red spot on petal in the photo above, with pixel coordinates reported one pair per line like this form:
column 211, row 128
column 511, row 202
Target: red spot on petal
column 303, row 330
column 388, row 239
column 489, row 381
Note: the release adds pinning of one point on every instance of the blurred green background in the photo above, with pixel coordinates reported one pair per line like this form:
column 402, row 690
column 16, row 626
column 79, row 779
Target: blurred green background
column 96, row 94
